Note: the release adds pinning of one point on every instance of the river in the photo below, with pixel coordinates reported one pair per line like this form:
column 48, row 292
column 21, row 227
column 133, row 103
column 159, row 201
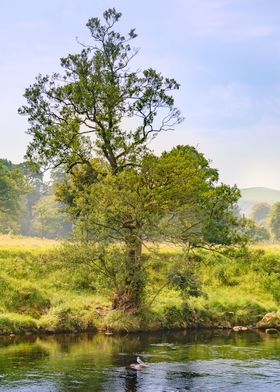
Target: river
column 178, row 361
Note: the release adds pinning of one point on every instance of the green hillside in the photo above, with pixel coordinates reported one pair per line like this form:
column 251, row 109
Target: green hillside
column 251, row 196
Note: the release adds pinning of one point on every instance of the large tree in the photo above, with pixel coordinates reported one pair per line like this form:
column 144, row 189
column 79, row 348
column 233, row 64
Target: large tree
column 12, row 188
column 274, row 221
column 259, row 213
column 96, row 118
column 36, row 187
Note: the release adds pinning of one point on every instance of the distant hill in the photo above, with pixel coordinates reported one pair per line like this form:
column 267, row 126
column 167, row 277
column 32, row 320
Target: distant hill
column 251, row 196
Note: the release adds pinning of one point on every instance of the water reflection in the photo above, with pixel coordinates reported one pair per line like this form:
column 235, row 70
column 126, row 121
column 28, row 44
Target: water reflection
column 181, row 361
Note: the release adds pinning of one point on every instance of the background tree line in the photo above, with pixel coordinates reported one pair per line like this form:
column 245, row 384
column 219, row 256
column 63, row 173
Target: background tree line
column 264, row 222
column 28, row 205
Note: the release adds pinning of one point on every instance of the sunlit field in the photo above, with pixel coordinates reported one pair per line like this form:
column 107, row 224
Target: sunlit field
column 20, row 242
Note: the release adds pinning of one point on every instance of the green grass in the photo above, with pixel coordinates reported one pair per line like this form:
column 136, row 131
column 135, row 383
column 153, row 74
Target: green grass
column 16, row 323
column 39, row 293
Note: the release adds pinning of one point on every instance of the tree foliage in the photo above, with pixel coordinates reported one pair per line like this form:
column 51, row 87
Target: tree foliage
column 274, row 221
column 87, row 108
column 255, row 232
column 12, row 188
column 172, row 197
column 260, row 212
column 48, row 219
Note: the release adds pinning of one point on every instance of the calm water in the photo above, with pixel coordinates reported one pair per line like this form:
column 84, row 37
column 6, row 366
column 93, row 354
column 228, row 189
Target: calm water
column 183, row 361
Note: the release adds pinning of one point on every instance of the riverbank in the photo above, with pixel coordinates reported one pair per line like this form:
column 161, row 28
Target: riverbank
column 40, row 294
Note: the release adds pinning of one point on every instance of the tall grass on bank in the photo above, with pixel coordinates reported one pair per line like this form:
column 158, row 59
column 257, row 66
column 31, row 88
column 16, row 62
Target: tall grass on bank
column 41, row 290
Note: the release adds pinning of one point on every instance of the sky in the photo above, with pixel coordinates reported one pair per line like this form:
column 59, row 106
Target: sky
column 224, row 53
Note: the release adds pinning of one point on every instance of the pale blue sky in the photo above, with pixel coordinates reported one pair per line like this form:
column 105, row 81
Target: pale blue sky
column 225, row 54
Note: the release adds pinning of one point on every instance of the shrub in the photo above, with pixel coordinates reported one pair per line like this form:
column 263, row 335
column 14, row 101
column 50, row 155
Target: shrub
column 172, row 317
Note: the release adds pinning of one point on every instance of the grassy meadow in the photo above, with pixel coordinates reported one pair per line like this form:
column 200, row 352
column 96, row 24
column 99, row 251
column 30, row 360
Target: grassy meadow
column 40, row 292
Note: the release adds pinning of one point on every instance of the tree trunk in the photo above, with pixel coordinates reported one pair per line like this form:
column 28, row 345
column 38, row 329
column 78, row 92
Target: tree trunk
column 129, row 298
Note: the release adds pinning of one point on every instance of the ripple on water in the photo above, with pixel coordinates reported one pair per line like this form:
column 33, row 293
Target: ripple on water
column 93, row 363
column 214, row 375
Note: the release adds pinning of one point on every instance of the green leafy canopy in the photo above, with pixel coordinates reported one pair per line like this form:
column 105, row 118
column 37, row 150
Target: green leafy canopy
column 86, row 110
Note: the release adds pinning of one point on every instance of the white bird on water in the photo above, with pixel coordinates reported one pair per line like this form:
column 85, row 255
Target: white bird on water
column 139, row 365
column 139, row 360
